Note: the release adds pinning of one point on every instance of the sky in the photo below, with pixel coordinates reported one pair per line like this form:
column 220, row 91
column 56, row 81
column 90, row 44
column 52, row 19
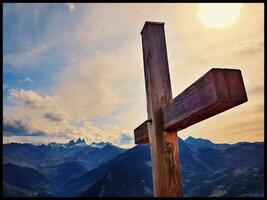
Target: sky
column 76, row 70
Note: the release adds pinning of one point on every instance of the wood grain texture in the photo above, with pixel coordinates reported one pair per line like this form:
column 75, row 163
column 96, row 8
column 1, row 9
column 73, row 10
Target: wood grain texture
column 141, row 135
column 164, row 145
column 215, row 92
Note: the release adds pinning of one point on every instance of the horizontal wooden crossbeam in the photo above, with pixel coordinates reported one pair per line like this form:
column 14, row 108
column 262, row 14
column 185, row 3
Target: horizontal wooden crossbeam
column 215, row 92
column 141, row 135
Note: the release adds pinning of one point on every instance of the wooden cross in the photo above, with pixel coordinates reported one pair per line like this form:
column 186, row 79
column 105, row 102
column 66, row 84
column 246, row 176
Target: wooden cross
column 216, row 91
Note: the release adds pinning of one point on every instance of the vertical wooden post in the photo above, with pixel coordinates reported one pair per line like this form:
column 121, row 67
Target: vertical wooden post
column 164, row 145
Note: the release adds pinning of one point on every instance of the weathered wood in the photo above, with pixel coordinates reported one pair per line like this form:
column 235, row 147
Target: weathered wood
column 215, row 92
column 141, row 133
column 164, row 146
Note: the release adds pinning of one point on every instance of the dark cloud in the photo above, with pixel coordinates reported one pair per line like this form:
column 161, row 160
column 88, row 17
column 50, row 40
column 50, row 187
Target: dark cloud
column 125, row 139
column 53, row 116
column 31, row 103
column 18, row 127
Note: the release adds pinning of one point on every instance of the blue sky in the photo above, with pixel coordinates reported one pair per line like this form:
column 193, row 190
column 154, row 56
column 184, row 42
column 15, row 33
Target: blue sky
column 76, row 70
column 29, row 29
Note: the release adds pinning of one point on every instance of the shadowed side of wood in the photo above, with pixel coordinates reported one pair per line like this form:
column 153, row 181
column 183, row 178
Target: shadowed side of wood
column 141, row 135
column 215, row 92
column 164, row 146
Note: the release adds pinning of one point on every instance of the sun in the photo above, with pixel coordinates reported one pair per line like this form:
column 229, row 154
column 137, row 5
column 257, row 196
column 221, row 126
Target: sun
column 219, row 15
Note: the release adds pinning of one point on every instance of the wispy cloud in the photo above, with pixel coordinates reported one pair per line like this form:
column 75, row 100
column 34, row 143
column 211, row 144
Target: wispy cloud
column 126, row 139
column 5, row 87
column 54, row 116
column 249, row 47
column 71, row 6
column 257, row 90
column 29, row 57
column 25, row 80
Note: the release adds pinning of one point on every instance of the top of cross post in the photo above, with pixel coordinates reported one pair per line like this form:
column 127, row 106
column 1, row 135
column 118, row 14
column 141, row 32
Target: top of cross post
column 150, row 22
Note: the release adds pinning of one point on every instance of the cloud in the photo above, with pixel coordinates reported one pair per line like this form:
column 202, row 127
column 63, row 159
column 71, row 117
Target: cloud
column 125, row 139
column 46, row 106
column 25, row 80
column 19, row 127
column 37, row 114
column 53, row 116
column 249, row 47
column 71, row 6
column 91, row 95
column 31, row 98
column 257, row 90
column 30, row 57
column 5, row 87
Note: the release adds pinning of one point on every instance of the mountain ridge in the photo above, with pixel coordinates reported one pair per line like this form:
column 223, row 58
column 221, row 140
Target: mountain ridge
column 209, row 171
column 57, row 163
column 219, row 173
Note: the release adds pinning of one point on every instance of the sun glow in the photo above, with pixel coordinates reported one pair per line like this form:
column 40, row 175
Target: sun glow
column 219, row 15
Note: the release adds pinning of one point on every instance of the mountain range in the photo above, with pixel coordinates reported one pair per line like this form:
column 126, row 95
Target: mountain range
column 104, row 170
column 59, row 162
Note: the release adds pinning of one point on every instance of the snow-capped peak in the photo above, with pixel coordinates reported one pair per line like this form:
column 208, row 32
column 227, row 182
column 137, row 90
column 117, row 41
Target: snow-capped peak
column 55, row 145
column 100, row 145
column 79, row 142
column 70, row 144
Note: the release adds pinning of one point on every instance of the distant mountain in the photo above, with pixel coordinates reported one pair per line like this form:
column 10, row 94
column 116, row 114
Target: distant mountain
column 13, row 191
column 79, row 142
column 130, row 176
column 78, row 185
column 67, row 171
column 40, row 156
column 24, row 180
column 235, row 171
column 204, row 143
column 104, row 170
column 59, row 162
column 100, row 145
